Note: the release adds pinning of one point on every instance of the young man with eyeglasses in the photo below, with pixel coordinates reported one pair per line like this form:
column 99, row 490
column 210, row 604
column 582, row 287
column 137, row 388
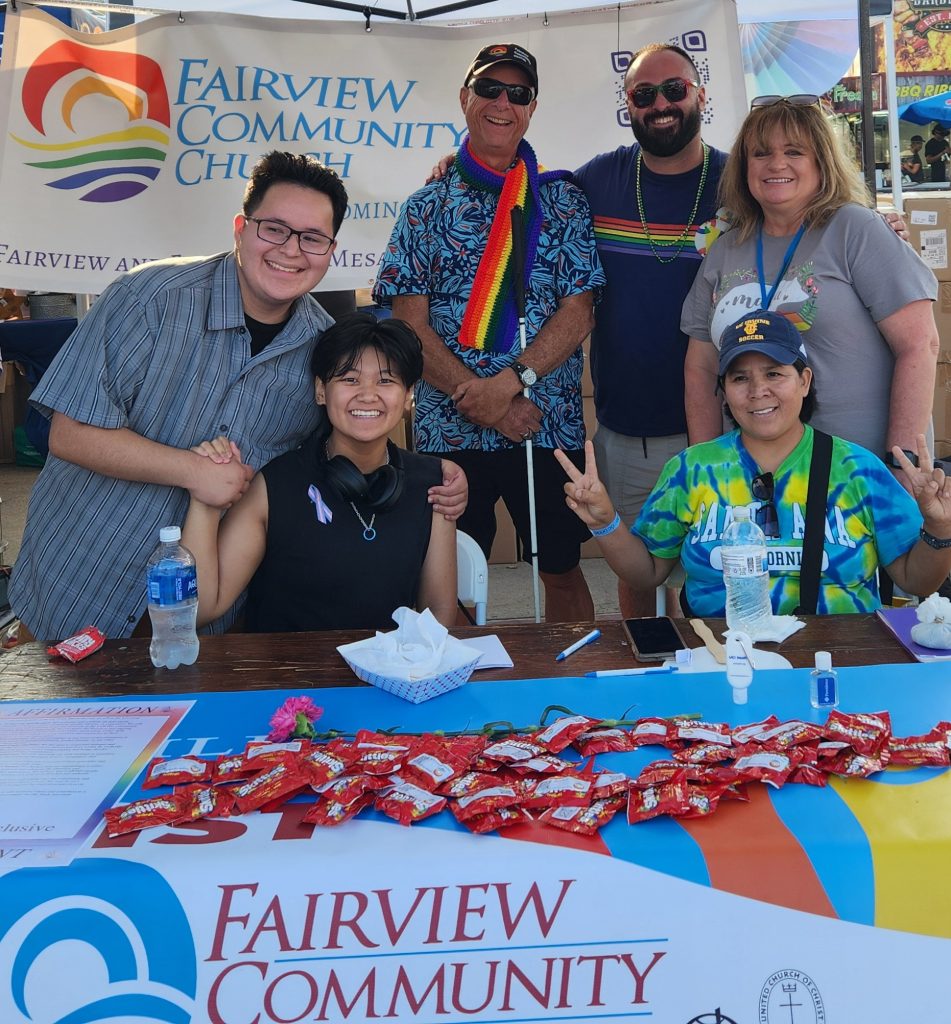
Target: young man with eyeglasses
column 171, row 354
column 447, row 270
column 654, row 208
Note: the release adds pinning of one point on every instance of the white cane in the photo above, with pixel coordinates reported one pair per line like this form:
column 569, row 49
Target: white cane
column 518, row 275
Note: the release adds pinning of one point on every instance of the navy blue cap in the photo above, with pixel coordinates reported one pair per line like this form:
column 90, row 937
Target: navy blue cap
column 762, row 331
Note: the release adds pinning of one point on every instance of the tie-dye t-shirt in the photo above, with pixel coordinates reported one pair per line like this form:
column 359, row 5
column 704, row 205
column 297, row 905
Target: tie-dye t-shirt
column 870, row 521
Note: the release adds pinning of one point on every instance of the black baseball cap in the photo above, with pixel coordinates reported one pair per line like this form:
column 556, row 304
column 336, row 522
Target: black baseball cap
column 917, row 138
column 504, row 53
column 770, row 333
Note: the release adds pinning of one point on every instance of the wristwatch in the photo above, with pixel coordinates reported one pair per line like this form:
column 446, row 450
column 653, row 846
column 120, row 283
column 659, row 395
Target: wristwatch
column 525, row 374
column 890, row 459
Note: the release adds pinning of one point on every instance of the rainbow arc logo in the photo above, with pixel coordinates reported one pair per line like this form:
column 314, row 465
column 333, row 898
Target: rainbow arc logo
column 105, row 167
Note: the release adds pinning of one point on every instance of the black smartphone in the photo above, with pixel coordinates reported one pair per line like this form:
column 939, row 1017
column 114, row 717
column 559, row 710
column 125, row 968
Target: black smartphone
column 653, row 638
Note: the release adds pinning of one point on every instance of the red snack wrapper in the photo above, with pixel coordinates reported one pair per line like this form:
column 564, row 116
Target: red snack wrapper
column 705, row 753
column 930, row 748
column 87, row 641
column 486, row 800
column 515, row 748
column 752, row 732
column 346, row 788
column 604, row 741
column 852, row 764
column 770, row 766
column 468, row 748
column 176, row 771
column 790, row 734
column 658, row 772
column 378, row 753
column 321, row 764
column 562, row 732
column 200, row 801
column 153, row 810
column 407, row 803
column 568, row 790
column 261, row 754
column 468, row 783
column 231, row 768
column 280, row 780
column 583, row 821
column 702, row 800
column 332, row 812
column 701, row 732
column 648, row 802
column 864, row 733
column 652, row 730
column 608, row 784
column 430, row 764
column 544, row 764
column 810, row 775
column 502, row 818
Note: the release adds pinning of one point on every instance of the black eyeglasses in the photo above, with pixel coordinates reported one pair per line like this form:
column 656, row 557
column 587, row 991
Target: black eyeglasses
column 314, row 242
column 674, row 90
column 490, row 89
column 801, row 99
column 766, row 518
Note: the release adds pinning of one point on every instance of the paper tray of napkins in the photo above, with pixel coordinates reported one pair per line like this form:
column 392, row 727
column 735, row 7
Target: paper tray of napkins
column 416, row 661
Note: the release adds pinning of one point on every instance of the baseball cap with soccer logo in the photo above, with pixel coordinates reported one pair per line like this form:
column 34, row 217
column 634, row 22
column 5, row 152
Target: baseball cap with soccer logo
column 762, row 331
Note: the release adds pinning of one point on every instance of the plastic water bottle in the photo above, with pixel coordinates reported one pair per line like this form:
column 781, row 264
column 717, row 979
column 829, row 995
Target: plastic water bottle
column 173, row 601
column 745, row 575
column 823, row 682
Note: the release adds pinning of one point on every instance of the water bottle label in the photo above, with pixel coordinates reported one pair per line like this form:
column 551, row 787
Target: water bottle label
column 743, row 563
column 170, row 587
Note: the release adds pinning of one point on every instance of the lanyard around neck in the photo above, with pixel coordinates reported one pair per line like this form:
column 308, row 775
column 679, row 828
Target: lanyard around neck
column 767, row 297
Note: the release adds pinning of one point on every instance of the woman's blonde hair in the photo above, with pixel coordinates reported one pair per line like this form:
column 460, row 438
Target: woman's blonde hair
column 839, row 179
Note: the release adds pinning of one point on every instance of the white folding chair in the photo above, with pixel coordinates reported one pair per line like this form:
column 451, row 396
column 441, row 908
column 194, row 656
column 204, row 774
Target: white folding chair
column 472, row 573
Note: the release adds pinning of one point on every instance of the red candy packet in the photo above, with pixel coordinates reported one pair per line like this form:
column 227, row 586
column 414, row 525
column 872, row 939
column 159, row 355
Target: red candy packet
column 176, row 771
column 645, row 802
column 604, row 741
column 504, row 817
column 406, row 803
column 153, row 810
column 562, row 732
column 202, row 801
column 584, row 821
column 567, row 790
column 430, row 764
column 652, row 730
column 280, row 780
column 489, row 798
column 87, row 641
column 333, row 812
column 864, row 733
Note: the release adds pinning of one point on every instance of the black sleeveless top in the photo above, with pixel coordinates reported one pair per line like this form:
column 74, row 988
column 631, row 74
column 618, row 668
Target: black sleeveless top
column 325, row 575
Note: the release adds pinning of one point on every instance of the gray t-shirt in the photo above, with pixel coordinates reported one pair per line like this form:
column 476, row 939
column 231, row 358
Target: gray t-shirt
column 843, row 279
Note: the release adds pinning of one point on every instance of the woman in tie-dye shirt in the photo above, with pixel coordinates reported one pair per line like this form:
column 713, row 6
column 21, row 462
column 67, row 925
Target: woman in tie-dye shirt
column 870, row 519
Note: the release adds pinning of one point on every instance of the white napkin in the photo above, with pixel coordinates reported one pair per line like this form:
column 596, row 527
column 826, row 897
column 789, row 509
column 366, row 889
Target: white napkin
column 934, row 623
column 780, row 628
column 418, row 649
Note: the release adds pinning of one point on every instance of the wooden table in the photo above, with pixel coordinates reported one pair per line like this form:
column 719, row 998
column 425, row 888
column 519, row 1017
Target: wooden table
column 275, row 661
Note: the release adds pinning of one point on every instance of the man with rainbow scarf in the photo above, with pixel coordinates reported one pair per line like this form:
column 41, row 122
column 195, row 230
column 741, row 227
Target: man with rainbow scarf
column 448, row 271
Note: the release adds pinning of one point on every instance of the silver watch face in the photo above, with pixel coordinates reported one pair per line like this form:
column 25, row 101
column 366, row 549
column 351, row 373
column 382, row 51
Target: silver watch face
column 528, row 376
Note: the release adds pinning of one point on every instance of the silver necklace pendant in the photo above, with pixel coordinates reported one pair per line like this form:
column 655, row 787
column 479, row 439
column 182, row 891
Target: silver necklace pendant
column 369, row 533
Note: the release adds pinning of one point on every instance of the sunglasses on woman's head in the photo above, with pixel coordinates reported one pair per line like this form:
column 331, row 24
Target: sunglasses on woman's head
column 490, row 89
column 766, row 517
column 673, row 89
column 802, row 99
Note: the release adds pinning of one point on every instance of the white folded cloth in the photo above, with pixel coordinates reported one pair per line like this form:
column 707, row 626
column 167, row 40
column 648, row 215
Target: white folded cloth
column 933, row 628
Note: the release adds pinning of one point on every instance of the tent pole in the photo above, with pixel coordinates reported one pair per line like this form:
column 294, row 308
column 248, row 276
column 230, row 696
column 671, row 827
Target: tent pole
column 866, row 60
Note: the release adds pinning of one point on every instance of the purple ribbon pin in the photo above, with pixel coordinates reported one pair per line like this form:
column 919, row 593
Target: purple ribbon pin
column 324, row 515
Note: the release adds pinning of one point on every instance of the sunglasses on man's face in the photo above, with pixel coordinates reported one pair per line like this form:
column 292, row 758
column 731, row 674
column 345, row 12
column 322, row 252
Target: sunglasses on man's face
column 801, row 99
column 766, row 517
column 490, row 89
column 673, row 89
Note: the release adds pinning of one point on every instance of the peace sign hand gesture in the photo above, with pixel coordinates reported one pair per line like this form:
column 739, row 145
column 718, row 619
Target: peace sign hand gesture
column 585, row 495
column 929, row 487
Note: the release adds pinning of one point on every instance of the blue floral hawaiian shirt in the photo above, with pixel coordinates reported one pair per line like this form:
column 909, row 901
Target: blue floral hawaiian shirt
column 435, row 250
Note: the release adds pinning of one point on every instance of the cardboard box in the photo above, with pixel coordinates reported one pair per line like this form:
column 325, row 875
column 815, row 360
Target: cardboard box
column 928, row 217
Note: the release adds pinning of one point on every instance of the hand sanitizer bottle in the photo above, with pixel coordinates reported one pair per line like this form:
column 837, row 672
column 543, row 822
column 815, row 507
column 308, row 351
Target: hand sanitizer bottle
column 823, row 683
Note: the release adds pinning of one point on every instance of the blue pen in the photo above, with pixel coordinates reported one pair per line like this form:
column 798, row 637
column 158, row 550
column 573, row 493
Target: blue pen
column 584, row 641
column 666, row 670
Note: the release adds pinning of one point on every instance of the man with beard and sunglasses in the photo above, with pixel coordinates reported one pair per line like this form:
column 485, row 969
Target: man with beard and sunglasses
column 654, row 209
column 448, row 270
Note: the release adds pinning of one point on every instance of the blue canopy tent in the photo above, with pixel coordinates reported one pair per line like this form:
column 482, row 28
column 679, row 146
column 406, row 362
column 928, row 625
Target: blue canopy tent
column 932, row 108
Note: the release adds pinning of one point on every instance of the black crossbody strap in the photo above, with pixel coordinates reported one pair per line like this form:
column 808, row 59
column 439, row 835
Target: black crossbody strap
column 813, row 540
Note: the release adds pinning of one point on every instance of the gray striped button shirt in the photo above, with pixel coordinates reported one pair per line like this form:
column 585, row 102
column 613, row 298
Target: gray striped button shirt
column 165, row 353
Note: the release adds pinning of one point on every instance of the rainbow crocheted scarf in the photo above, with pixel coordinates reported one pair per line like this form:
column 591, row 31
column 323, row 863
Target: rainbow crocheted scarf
column 490, row 322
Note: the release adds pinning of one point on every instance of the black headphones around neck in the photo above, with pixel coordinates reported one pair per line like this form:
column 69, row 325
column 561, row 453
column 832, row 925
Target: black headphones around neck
column 378, row 491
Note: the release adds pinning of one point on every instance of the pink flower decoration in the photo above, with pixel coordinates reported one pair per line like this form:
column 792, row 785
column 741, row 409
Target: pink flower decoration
column 295, row 717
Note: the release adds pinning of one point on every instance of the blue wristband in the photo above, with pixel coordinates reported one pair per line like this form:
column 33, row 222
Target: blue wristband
column 610, row 528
